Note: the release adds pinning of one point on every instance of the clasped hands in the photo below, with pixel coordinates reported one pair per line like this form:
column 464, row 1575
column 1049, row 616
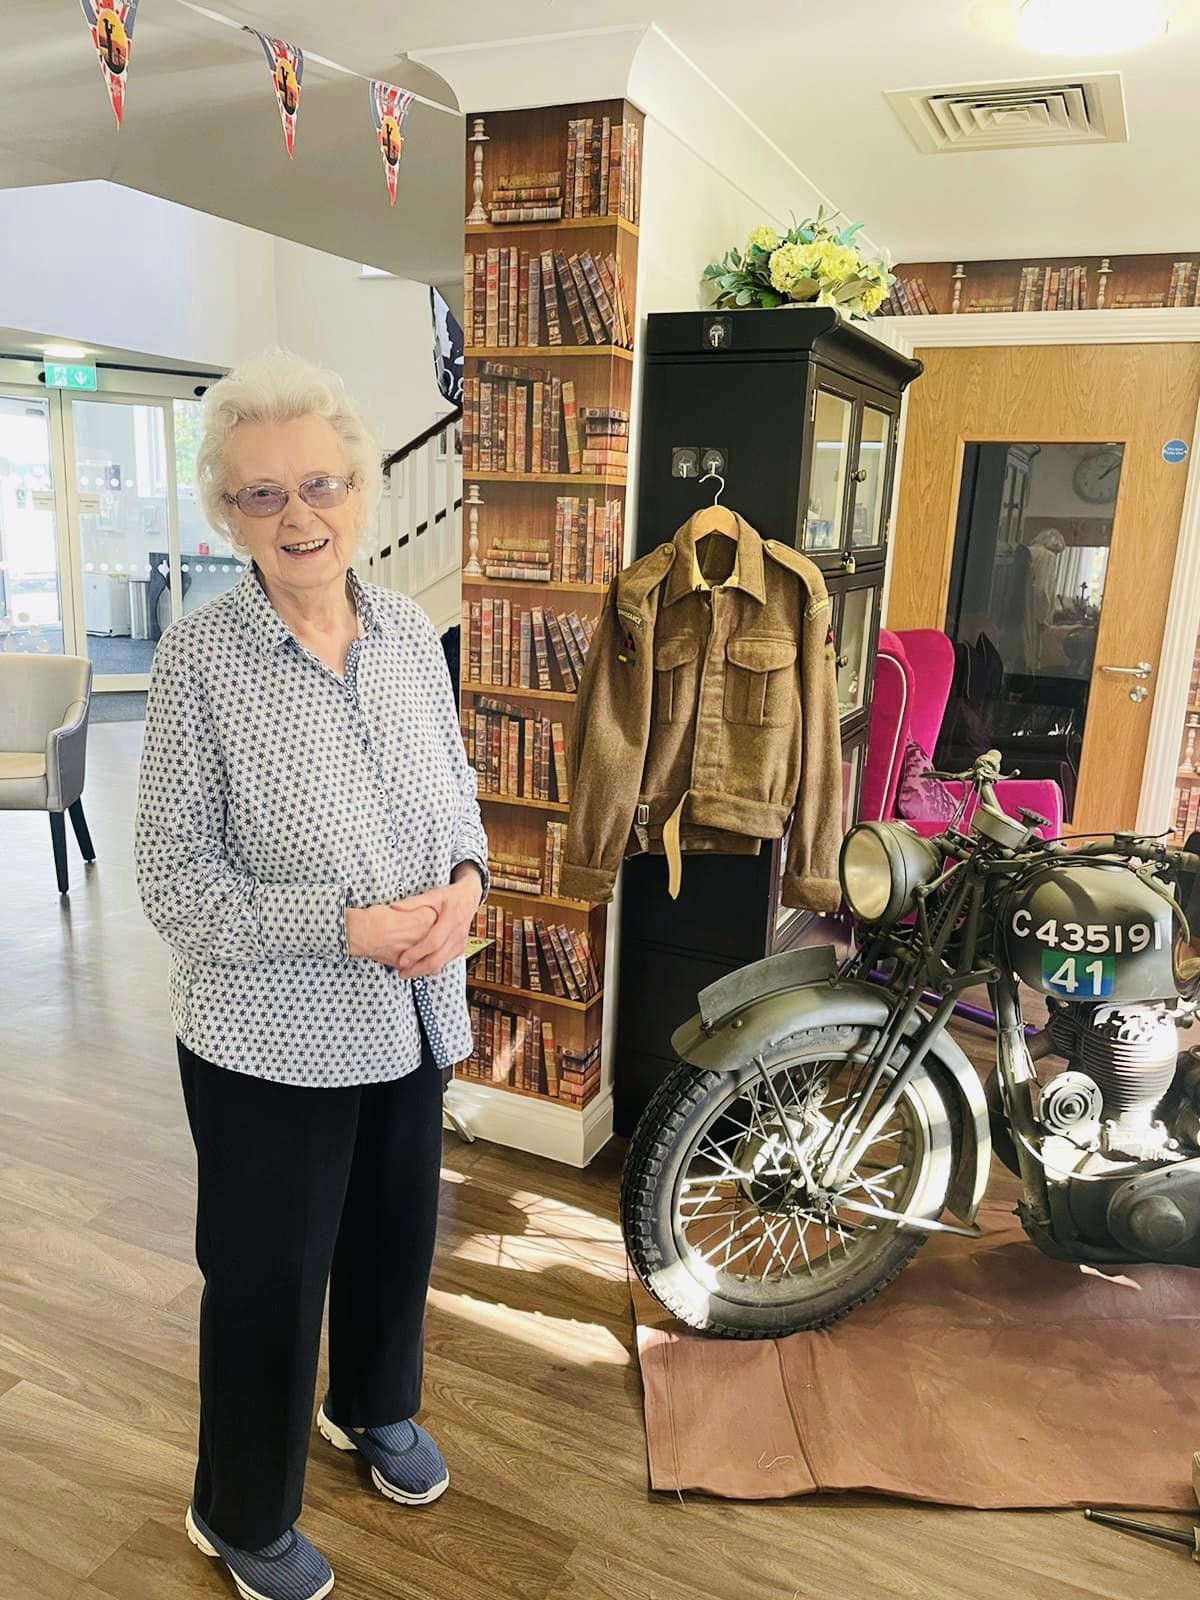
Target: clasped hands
column 421, row 935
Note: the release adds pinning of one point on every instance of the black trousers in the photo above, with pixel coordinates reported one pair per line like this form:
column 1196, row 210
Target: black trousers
column 300, row 1189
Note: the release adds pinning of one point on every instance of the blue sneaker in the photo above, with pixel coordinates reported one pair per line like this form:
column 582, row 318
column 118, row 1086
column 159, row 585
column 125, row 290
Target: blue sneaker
column 289, row 1568
column 405, row 1463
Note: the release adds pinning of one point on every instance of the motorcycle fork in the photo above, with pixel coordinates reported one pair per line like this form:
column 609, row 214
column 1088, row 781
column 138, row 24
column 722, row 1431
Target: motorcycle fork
column 849, row 1140
column 1018, row 1078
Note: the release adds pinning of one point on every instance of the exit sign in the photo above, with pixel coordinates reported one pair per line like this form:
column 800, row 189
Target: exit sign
column 69, row 375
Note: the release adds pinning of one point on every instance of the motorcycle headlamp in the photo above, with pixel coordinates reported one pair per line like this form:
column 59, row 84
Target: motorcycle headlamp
column 883, row 864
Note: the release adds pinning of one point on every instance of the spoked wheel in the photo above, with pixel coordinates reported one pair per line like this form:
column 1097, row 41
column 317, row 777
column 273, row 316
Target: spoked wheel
column 725, row 1214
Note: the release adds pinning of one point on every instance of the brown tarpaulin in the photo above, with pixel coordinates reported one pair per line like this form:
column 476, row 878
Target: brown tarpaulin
column 986, row 1375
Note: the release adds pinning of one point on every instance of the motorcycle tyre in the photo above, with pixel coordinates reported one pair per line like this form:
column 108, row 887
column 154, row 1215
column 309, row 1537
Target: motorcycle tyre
column 681, row 1101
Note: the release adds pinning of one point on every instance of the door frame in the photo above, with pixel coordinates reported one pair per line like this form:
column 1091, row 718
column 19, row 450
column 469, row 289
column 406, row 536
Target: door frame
column 1151, row 325
column 120, row 386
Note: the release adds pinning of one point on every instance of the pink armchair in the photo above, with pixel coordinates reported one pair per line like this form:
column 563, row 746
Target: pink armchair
column 913, row 672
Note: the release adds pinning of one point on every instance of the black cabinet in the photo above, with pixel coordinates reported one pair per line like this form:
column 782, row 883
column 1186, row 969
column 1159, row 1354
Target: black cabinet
column 803, row 408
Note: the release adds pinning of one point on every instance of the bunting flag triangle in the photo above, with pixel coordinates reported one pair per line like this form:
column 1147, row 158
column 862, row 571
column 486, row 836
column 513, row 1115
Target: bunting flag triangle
column 111, row 23
column 287, row 71
column 389, row 113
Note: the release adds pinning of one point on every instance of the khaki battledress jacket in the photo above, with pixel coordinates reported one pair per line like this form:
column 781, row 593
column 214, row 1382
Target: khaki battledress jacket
column 708, row 716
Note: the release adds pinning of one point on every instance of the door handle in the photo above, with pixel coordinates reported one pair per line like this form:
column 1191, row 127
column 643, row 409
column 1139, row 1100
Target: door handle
column 1142, row 670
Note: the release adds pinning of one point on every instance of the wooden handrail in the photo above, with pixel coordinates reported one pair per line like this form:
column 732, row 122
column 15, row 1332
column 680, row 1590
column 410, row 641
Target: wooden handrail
column 431, row 432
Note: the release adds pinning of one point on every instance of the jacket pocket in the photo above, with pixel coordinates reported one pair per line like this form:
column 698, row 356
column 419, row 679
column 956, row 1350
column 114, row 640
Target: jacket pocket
column 675, row 679
column 760, row 681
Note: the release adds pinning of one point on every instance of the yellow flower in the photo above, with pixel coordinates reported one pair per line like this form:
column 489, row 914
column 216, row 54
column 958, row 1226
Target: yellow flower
column 762, row 238
column 872, row 298
column 791, row 262
column 838, row 261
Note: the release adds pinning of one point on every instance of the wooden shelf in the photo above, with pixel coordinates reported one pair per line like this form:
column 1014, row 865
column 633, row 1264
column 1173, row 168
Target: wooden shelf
column 536, row 994
column 502, row 352
column 543, row 899
column 542, row 477
column 520, row 800
column 514, row 689
column 563, row 225
column 528, row 1094
column 534, row 583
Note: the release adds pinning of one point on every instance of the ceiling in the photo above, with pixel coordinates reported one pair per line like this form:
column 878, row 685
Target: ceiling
column 812, row 76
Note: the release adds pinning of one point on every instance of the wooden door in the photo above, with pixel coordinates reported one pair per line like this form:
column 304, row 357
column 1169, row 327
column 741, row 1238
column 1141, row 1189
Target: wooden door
column 1139, row 396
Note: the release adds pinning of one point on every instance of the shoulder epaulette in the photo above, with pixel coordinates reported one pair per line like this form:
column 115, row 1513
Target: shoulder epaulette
column 637, row 581
column 807, row 571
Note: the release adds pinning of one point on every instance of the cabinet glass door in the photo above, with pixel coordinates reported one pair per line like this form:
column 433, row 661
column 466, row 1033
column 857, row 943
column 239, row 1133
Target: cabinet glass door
column 853, row 631
column 829, row 474
column 868, row 523
column 852, row 763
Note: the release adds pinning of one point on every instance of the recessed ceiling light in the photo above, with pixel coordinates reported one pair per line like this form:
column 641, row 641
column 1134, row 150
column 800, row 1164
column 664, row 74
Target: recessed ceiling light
column 1090, row 27
column 65, row 352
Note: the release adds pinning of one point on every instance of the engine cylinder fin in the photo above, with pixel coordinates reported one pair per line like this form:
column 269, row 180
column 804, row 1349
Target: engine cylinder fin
column 1131, row 1053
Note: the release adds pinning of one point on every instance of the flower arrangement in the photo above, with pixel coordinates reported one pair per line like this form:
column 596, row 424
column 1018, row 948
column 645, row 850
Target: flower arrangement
column 811, row 264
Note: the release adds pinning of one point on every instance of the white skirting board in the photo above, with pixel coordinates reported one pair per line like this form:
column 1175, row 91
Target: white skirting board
column 540, row 1127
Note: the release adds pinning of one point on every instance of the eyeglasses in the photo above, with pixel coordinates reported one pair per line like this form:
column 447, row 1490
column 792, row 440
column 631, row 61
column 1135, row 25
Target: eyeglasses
column 269, row 499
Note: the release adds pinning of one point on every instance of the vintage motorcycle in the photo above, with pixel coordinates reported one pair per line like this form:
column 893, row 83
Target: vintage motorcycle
column 823, row 1118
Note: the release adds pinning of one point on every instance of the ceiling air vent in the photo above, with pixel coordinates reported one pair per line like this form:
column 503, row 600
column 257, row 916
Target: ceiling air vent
column 1087, row 109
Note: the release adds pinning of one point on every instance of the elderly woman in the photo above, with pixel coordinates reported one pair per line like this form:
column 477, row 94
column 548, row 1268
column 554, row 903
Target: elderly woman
column 309, row 845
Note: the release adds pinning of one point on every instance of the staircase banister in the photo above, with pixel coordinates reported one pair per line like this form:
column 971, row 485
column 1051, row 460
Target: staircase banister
column 431, row 432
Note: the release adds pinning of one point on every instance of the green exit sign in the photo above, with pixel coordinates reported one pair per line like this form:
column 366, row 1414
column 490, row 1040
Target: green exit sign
column 69, row 375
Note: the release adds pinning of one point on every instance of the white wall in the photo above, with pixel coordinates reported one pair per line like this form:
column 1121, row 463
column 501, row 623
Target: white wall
column 102, row 265
column 106, row 266
column 377, row 332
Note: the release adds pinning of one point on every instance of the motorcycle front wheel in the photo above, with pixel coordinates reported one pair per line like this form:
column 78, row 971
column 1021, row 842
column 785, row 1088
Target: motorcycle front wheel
column 721, row 1225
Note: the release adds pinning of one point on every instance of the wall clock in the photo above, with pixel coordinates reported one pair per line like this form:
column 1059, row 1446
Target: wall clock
column 1097, row 475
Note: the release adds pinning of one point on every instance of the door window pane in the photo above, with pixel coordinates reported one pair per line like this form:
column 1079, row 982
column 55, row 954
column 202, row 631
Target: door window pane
column 827, row 480
column 1027, row 587
column 31, row 613
column 121, row 481
column 866, row 528
column 207, row 562
column 854, row 646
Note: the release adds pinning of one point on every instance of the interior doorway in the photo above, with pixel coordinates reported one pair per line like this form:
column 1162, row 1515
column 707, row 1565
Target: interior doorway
column 1038, row 522
column 102, row 542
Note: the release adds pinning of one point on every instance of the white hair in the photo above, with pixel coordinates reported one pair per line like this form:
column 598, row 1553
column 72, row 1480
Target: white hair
column 280, row 387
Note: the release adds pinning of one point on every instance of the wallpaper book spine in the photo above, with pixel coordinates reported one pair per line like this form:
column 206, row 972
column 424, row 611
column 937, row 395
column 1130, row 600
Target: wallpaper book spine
column 571, row 427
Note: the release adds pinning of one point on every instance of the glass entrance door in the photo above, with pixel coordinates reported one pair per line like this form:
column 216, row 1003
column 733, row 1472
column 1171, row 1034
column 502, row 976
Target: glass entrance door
column 31, row 591
column 123, row 487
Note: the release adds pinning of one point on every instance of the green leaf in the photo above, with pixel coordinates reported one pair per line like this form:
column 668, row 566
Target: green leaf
column 744, row 297
column 847, row 234
column 769, row 299
column 805, row 289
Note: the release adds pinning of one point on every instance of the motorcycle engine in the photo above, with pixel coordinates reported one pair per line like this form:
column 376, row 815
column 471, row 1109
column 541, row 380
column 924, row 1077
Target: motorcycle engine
column 1122, row 1064
column 1121, row 1129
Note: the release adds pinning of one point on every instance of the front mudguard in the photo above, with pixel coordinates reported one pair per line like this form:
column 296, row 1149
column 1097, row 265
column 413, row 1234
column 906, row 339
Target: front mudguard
column 763, row 1006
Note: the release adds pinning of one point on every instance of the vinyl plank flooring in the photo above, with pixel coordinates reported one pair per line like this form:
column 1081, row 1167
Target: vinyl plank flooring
column 531, row 1376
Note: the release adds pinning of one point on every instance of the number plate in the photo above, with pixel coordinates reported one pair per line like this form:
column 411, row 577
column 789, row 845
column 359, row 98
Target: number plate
column 1081, row 977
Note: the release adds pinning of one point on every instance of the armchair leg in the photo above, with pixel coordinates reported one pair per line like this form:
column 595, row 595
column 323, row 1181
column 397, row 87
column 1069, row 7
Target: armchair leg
column 58, row 833
column 86, row 849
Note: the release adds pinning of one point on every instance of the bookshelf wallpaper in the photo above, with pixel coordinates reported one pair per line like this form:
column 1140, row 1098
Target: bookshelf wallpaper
column 1064, row 283
column 550, row 268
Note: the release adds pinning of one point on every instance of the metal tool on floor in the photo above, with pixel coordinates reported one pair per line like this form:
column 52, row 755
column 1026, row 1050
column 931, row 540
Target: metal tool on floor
column 1151, row 1530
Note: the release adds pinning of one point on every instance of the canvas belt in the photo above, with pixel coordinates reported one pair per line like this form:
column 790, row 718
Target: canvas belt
column 670, row 837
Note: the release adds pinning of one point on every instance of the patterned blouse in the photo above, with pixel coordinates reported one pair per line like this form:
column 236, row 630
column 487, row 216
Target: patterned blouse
column 274, row 794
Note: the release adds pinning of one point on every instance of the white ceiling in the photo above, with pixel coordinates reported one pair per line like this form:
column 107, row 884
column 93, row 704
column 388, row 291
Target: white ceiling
column 811, row 75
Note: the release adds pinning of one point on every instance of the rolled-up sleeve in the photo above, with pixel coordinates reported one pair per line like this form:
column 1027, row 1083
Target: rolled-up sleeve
column 190, row 890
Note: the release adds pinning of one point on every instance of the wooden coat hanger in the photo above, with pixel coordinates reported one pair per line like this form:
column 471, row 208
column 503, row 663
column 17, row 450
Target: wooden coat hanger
column 715, row 518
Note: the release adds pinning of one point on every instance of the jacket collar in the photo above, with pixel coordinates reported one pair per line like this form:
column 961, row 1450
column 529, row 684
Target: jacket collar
column 268, row 629
column 685, row 575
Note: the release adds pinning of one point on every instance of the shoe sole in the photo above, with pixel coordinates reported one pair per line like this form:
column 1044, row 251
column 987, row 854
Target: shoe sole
column 341, row 1440
column 244, row 1589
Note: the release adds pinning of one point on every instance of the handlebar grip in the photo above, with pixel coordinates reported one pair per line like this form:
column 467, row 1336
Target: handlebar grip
column 1185, row 860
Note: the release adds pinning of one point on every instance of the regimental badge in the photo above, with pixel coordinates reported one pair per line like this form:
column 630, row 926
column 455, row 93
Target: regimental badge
column 630, row 624
column 830, row 644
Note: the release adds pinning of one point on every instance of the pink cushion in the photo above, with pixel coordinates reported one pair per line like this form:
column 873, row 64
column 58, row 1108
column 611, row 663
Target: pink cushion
column 891, row 702
column 919, row 796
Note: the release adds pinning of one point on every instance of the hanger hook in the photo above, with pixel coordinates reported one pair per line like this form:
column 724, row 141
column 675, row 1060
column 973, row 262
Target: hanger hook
column 713, row 473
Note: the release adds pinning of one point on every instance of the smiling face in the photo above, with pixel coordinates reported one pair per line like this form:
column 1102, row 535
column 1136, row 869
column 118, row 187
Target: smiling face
column 303, row 547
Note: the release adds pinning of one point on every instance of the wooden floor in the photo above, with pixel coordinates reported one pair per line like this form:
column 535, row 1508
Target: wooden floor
column 532, row 1387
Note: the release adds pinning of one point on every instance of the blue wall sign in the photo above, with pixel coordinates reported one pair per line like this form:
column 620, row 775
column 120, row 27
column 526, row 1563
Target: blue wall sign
column 1175, row 450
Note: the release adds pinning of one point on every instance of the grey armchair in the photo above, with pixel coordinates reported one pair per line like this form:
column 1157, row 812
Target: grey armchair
column 44, row 704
